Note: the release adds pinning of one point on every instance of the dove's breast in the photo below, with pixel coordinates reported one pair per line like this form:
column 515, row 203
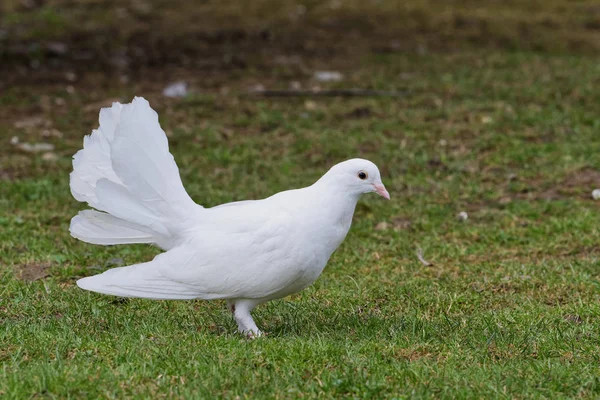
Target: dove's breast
column 314, row 233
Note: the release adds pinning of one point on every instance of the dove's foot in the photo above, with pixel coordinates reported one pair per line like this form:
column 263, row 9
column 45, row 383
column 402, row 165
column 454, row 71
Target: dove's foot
column 252, row 334
column 241, row 312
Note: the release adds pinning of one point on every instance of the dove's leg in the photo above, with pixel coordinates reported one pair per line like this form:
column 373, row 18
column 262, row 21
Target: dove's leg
column 241, row 312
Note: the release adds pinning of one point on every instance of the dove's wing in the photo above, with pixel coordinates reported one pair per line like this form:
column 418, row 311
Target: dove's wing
column 125, row 169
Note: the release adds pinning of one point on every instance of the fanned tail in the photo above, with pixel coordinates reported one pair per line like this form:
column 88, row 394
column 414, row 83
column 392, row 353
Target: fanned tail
column 126, row 171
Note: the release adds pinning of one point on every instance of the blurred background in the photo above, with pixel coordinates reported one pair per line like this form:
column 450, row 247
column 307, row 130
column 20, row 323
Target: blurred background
column 61, row 60
column 60, row 40
column 481, row 115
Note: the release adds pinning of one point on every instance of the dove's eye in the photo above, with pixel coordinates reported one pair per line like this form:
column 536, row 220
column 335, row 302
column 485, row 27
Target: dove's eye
column 362, row 175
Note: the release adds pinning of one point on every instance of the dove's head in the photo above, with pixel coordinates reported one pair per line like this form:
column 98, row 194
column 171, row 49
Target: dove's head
column 356, row 176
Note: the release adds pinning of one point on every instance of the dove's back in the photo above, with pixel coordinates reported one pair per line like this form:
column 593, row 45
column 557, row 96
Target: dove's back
column 125, row 171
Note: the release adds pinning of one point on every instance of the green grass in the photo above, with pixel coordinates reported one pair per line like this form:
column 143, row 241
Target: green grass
column 509, row 308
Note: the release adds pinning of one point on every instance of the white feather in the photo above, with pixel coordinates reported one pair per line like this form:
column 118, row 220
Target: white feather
column 99, row 228
column 139, row 280
column 248, row 251
column 126, row 170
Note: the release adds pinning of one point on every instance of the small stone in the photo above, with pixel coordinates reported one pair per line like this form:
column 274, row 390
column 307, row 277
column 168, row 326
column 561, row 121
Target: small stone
column 463, row 216
column 486, row 120
column 70, row 76
column 596, row 194
column 51, row 133
column 328, row 76
column 258, row 88
column 382, row 226
column 49, row 156
column 35, row 147
column 176, row 89
column 58, row 48
column 310, row 105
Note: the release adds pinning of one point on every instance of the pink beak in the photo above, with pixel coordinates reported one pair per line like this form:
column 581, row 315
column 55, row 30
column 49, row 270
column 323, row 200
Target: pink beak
column 380, row 190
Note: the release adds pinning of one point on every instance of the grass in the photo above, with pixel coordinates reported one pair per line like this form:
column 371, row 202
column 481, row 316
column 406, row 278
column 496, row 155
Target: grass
column 509, row 307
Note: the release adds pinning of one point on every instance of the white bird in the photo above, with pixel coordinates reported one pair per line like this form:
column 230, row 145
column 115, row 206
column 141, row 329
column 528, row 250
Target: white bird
column 246, row 252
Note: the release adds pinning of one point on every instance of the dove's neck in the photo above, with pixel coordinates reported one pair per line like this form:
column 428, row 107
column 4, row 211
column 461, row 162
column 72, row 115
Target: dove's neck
column 337, row 200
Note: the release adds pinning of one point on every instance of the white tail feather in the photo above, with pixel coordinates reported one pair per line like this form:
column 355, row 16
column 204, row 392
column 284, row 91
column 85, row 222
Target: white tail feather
column 100, row 228
column 126, row 170
column 140, row 280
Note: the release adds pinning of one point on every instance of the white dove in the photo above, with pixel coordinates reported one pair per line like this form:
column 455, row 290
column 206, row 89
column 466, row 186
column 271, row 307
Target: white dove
column 246, row 252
